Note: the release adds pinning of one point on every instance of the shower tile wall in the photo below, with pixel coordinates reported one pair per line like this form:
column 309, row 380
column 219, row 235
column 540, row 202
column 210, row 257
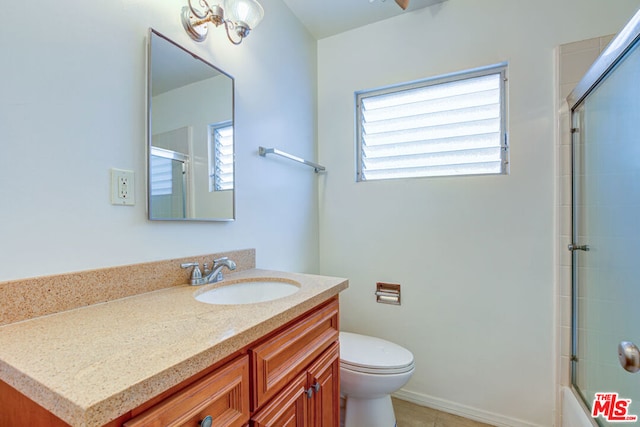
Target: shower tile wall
column 574, row 59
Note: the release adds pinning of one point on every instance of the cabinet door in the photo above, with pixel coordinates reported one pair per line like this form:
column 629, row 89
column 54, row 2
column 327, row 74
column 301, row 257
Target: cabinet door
column 223, row 395
column 284, row 356
column 287, row 409
column 324, row 378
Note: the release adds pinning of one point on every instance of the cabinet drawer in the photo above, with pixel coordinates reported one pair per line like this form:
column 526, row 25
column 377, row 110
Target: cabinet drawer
column 281, row 358
column 223, row 394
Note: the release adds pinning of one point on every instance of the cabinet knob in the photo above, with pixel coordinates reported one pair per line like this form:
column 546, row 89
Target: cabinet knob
column 207, row 421
column 310, row 390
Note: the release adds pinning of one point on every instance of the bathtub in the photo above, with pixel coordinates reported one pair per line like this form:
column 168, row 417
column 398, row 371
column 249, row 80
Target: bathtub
column 574, row 413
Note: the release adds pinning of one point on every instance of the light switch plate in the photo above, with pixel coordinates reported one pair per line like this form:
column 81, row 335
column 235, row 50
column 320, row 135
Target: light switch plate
column 122, row 187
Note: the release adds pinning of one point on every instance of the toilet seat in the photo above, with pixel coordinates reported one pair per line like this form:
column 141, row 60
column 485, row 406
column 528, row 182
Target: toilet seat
column 361, row 353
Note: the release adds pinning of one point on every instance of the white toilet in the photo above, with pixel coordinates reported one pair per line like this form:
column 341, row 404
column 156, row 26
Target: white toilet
column 370, row 370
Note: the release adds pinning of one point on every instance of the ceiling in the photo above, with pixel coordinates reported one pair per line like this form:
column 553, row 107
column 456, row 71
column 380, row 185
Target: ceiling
column 324, row 18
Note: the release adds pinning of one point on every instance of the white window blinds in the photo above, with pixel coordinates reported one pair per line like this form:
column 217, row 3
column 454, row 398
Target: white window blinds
column 166, row 170
column 161, row 178
column 222, row 171
column 447, row 126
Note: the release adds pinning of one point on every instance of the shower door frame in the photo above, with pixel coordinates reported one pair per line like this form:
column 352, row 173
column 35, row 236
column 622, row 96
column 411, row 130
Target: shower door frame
column 608, row 59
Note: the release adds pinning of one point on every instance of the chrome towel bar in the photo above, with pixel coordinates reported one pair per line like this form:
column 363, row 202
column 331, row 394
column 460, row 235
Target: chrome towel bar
column 264, row 151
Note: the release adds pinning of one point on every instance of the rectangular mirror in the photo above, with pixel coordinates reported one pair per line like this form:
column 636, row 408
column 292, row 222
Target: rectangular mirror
column 190, row 145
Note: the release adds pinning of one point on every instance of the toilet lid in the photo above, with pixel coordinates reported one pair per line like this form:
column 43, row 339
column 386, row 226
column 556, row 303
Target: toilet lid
column 375, row 355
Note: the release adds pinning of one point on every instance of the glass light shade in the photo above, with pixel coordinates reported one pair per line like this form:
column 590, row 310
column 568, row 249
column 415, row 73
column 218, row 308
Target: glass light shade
column 247, row 13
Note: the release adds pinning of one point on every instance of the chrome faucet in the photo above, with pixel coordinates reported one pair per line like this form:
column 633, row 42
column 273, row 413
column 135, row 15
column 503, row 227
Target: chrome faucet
column 213, row 276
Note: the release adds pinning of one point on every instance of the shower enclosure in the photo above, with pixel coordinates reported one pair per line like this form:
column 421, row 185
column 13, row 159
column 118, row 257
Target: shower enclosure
column 605, row 110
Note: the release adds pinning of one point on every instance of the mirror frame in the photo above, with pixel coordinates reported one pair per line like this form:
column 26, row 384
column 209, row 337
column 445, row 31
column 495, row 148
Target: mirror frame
column 149, row 138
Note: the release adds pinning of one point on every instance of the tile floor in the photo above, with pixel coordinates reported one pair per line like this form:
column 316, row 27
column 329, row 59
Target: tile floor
column 412, row 415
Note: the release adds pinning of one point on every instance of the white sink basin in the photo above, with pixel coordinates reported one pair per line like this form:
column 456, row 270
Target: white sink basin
column 248, row 292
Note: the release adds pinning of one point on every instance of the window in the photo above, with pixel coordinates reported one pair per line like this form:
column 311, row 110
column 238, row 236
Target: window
column 451, row 125
column 221, row 167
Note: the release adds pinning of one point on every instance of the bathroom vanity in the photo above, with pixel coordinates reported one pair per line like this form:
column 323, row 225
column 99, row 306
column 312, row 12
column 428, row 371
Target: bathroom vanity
column 162, row 358
column 290, row 375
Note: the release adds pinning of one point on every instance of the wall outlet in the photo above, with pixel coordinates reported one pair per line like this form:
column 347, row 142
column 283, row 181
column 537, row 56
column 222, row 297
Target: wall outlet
column 122, row 187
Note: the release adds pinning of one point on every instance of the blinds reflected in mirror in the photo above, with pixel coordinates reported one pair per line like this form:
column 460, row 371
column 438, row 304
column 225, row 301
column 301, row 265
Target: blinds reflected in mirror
column 161, row 182
column 166, row 171
column 221, row 168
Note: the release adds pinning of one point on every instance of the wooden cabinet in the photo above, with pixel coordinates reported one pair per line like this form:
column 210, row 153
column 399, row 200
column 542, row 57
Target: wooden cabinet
column 298, row 372
column 16, row 409
column 280, row 358
column 222, row 395
column 324, row 377
column 312, row 399
column 288, row 409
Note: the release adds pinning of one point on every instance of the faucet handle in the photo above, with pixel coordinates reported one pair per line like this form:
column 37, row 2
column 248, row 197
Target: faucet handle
column 195, row 273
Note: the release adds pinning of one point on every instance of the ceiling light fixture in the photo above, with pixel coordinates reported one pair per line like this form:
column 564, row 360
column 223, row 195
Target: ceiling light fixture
column 243, row 16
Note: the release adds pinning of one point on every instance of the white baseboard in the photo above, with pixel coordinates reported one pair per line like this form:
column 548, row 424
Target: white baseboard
column 461, row 410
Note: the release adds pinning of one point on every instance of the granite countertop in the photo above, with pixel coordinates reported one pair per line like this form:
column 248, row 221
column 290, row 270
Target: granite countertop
column 92, row 364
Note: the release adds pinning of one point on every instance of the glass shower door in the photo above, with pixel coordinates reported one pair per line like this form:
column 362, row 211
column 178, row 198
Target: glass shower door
column 167, row 178
column 606, row 235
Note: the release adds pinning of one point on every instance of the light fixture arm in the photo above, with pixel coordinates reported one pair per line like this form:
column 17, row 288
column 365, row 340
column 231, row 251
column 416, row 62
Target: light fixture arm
column 197, row 13
column 228, row 25
column 195, row 21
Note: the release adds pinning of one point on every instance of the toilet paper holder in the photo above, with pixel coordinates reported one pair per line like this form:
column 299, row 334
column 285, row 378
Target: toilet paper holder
column 387, row 293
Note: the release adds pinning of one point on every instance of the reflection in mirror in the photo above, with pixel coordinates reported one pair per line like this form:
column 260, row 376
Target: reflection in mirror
column 191, row 144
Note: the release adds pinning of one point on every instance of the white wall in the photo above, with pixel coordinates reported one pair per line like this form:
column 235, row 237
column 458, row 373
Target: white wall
column 72, row 106
column 474, row 255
